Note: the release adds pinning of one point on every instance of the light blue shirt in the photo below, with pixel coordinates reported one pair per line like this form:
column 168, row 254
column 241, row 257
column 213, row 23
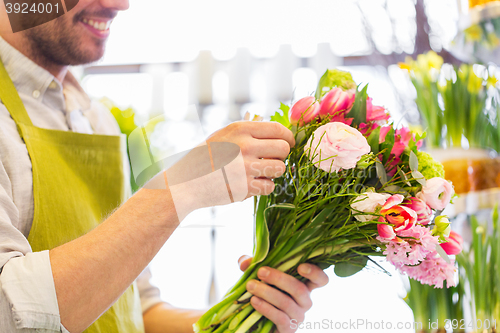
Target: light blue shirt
column 28, row 301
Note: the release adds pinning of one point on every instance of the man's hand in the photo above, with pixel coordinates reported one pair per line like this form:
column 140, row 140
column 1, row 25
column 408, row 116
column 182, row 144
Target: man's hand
column 270, row 299
column 240, row 161
column 264, row 146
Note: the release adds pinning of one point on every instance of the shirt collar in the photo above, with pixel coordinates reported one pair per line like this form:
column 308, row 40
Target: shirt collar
column 33, row 80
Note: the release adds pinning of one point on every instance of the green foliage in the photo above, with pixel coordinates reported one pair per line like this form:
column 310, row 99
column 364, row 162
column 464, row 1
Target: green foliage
column 373, row 140
column 124, row 118
column 358, row 111
column 282, row 117
column 455, row 102
column 334, row 78
column 480, row 267
column 431, row 304
column 346, row 269
column 428, row 166
column 386, row 146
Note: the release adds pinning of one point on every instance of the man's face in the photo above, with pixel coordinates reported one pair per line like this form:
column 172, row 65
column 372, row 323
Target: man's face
column 78, row 37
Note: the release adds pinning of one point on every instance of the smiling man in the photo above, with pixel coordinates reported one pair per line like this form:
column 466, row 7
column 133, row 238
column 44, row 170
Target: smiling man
column 73, row 250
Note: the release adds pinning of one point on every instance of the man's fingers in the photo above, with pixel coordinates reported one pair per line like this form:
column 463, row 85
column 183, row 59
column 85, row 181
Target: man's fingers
column 278, row 149
column 244, row 262
column 317, row 277
column 277, row 298
column 266, row 168
column 271, row 130
column 260, row 187
column 279, row 318
column 298, row 290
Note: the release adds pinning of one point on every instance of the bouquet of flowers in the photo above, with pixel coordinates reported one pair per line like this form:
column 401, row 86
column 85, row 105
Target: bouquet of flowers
column 355, row 187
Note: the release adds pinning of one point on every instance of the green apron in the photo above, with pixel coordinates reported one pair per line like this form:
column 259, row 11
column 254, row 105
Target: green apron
column 78, row 180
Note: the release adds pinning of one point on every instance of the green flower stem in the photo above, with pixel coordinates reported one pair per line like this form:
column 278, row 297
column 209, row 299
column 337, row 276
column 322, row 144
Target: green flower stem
column 268, row 326
column 245, row 311
column 249, row 322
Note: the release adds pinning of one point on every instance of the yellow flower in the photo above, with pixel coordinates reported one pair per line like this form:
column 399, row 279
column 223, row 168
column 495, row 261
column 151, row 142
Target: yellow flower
column 473, row 33
column 404, row 65
column 429, row 60
column 492, row 81
column 435, row 61
column 475, row 83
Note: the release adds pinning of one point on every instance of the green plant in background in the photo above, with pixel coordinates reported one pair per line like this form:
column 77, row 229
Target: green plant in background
column 430, row 305
column 126, row 121
column 424, row 74
column 494, row 125
column 455, row 102
column 479, row 266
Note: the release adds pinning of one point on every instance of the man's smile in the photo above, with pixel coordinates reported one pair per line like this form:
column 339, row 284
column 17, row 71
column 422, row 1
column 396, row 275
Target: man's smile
column 98, row 26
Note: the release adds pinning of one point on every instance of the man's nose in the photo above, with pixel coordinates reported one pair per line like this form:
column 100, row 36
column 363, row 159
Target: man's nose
column 115, row 4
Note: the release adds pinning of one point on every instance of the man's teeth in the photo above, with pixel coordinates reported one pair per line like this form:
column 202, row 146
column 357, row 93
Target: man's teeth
column 99, row 25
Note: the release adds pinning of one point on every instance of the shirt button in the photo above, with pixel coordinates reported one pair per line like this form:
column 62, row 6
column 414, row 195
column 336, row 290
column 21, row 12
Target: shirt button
column 53, row 85
column 36, row 93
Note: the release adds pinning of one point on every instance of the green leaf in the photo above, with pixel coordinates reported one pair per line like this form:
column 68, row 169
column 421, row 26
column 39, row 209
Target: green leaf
column 443, row 254
column 419, row 177
column 322, row 216
column 388, row 144
column 261, row 242
column 358, row 111
column 413, row 162
column 282, row 117
column 346, row 269
column 381, row 173
column 373, row 140
column 334, row 78
column 403, row 177
column 393, row 189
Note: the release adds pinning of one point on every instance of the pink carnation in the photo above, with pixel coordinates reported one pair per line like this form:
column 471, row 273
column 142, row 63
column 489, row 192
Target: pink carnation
column 410, row 247
column 433, row 271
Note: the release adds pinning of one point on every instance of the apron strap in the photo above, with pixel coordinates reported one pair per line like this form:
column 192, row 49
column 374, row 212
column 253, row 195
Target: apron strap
column 11, row 99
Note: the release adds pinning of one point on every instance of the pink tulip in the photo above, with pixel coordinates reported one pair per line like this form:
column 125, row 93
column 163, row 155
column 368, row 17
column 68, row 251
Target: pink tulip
column 337, row 103
column 424, row 212
column 304, row 110
column 453, row 244
column 386, row 231
column 375, row 113
column 437, row 193
column 401, row 217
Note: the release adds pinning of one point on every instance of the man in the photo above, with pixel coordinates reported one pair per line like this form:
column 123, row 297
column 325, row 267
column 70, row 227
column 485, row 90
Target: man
column 63, row 270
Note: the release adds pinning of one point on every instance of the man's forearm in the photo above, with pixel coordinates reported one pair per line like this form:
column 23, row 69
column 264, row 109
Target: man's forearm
column 164, row 318
column 91, row 272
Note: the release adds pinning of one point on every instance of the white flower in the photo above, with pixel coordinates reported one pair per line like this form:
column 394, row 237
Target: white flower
column 368, row 202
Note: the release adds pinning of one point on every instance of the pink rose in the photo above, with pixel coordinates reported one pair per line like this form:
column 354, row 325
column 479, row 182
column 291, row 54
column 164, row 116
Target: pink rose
column 424, row 212
column 436, row 193
column 304, row 110
column 336, row 146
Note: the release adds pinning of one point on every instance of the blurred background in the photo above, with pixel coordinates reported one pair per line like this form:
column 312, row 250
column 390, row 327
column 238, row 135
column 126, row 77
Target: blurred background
column 229, row 57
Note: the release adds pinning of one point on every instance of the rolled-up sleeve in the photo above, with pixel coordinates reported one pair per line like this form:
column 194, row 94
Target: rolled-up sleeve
column 28, row 301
